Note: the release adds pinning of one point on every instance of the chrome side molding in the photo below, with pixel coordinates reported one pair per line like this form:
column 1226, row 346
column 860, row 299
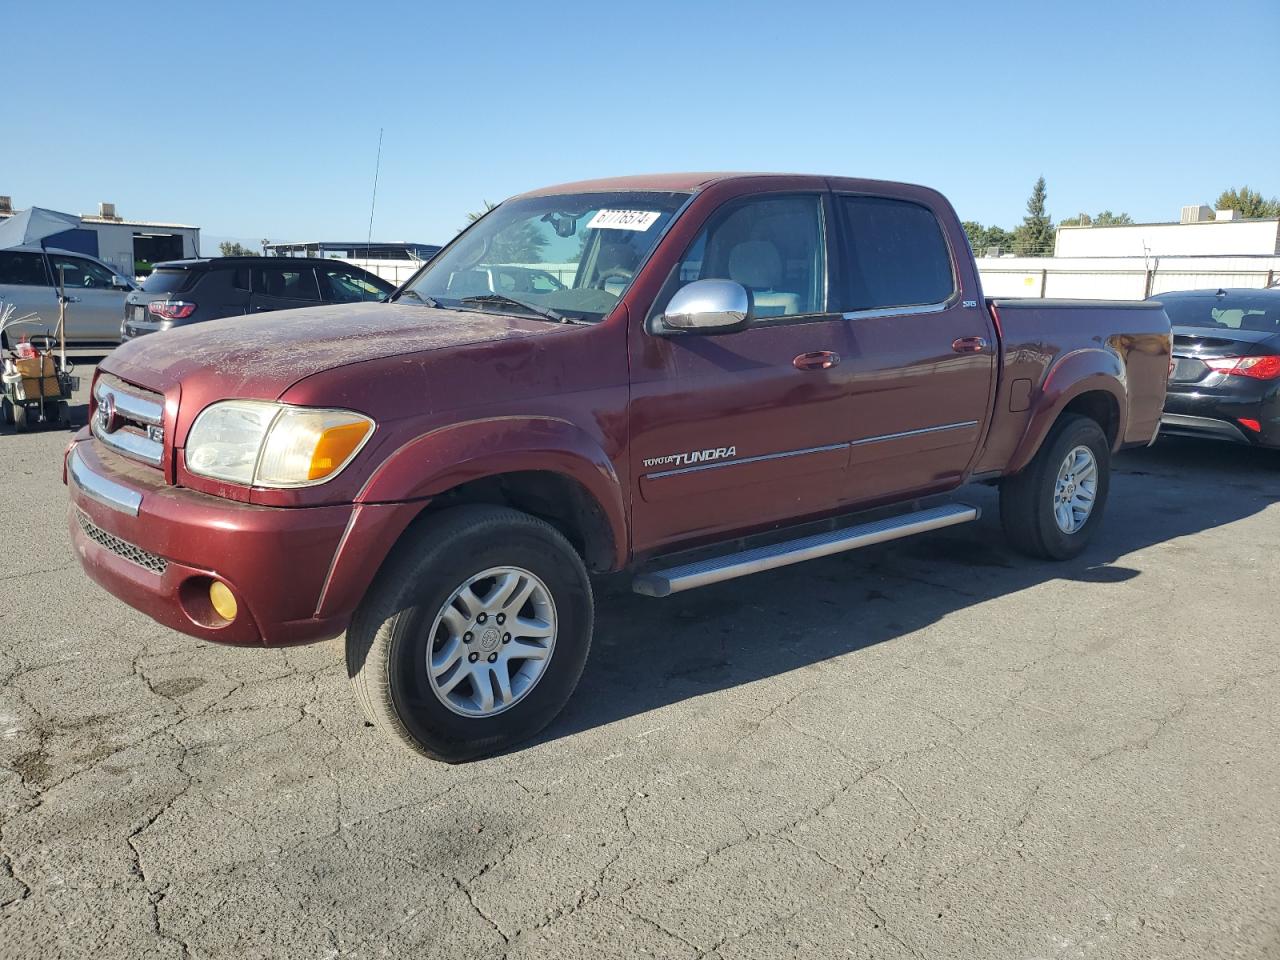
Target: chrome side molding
column 104, row 491
column 662, row 583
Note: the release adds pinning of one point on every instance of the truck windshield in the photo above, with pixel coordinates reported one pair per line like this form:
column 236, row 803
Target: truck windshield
column 568, row 255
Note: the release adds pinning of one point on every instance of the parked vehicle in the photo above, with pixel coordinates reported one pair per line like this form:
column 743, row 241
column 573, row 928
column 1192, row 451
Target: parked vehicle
column 1225, row 382
column 732, row 359
column 182, row 292
column 29, row 277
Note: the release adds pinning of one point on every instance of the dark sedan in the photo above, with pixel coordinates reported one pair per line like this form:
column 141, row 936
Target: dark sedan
column 1225, row 380
column 183, row 292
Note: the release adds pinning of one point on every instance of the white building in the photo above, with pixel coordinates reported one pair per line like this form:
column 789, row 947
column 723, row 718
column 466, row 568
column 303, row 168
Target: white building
column 130, row 246
column 394, row 262
column 1197, row 234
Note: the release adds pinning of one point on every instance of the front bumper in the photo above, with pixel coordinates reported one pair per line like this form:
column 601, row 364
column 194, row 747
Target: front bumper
column 296, row 573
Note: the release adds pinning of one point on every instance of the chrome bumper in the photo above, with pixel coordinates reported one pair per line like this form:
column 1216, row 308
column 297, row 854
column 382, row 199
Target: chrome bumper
column 99, row 488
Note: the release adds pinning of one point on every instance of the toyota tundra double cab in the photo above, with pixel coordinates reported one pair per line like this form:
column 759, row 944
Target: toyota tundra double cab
column 708, row 376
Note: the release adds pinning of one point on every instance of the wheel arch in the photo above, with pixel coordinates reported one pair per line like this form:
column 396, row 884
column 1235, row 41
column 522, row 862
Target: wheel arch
column 1090, row 383
column 549, row 468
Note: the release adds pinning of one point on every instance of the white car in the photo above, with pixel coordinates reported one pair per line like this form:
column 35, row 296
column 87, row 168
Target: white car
column 95, row 293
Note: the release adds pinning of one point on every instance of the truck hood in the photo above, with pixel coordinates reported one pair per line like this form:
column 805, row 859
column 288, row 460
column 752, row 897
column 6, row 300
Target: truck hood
column 260, row 356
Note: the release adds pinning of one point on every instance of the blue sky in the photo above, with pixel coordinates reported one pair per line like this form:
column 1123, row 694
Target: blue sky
column 261, row 119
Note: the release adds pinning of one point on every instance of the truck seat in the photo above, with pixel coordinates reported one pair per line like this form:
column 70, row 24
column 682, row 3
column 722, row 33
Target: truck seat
column 757, row 266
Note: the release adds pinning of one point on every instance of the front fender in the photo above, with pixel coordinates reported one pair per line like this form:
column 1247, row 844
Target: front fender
column 445, row 458
column 1087, row 370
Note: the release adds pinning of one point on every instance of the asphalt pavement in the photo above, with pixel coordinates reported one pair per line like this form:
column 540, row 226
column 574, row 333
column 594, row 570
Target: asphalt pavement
column 932, row 749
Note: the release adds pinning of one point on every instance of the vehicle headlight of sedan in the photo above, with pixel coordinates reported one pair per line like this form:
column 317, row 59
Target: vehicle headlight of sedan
column 263, row 444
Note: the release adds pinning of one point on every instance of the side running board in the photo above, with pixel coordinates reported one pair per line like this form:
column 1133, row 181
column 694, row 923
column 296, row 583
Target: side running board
column 662, row 583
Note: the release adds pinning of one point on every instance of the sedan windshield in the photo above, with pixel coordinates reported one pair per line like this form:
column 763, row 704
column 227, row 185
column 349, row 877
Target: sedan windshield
column 1242, row 311
column 566, row 257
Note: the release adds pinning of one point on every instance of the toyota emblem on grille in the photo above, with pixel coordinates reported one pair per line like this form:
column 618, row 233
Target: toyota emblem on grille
column 108, row 420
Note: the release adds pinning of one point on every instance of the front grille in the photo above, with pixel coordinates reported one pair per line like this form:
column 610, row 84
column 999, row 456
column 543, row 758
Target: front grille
column 121, row 548
column 129, row 419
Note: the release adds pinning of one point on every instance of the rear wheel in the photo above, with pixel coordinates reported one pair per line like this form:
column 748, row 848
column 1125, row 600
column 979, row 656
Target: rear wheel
column 1052, row 507
column 474, row 634
column 6, row 411
column 20, row 419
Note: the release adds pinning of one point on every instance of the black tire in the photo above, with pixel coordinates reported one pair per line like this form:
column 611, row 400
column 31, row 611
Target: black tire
column 63, row 414
column 6, row 411
column 20, row 421
column 389, row 642
column 1027, row 498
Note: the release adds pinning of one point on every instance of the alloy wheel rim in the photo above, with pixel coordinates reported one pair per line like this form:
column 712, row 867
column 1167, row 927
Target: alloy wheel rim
column 1076, row 490
column 491, row 641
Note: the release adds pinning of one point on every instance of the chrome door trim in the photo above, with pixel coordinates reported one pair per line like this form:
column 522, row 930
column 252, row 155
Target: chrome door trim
column 100, row 489
column 914, row 433
column 699, row 467
column 900, row 311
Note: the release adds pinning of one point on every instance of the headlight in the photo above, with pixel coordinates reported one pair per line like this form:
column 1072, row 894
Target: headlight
column 262, row 444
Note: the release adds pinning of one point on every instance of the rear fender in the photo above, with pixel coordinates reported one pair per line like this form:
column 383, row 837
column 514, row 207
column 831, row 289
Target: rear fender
column 1075, row 373
column 446, row 458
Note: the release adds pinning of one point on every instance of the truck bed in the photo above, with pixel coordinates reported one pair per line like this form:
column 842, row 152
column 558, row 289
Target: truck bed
column 1084, row 351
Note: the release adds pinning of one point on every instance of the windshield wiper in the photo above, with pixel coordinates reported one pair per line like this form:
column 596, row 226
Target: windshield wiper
column 498, row 298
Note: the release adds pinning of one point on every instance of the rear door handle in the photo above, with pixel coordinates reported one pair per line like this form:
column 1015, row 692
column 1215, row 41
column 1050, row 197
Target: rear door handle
column 818, row 360
column 969, row 345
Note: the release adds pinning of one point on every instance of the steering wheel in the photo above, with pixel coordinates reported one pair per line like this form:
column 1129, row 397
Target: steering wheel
column 610, row 273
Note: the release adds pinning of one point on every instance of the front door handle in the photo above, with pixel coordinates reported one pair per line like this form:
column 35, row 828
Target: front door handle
column 969, row 345
column 818, row 360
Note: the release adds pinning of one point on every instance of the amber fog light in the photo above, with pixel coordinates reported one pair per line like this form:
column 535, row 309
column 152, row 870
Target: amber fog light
column 222, row 600
column 208, row 602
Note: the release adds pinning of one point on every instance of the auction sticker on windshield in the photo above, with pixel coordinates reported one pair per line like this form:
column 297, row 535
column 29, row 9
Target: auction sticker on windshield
column 623, row 220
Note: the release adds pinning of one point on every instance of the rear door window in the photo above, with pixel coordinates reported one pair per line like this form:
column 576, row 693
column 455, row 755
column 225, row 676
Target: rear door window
column 23, row 269
column 166, row 281
column 895, row 255
column 286, row 283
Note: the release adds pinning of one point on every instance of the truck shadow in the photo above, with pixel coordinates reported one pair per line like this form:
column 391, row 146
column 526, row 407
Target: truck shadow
column 652, row 653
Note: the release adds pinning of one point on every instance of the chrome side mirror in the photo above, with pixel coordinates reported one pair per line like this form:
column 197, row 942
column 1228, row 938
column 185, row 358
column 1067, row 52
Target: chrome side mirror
column 120, row 283
column 708, row 306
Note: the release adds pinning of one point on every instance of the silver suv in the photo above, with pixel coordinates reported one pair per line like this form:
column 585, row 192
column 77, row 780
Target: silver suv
column 95, row 293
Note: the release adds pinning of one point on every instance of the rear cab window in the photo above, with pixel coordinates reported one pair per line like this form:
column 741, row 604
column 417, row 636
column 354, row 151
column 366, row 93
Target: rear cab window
column 895, row 255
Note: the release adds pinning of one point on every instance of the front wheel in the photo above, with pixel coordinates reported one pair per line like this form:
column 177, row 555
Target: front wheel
column 474, row 634
column 1052, row 507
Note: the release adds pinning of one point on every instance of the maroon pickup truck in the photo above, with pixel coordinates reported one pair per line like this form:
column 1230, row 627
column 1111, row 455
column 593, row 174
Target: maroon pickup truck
column 687, row 377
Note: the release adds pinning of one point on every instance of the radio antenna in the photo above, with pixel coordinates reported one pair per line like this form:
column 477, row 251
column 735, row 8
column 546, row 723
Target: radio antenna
column 373, row 203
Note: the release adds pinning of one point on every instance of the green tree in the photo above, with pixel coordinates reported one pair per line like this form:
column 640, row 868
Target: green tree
column 1034, row 238
column 475, row 215
column 1105, row 219
column 519, row 242
column 1248, row 203
column 981, row 238
column 1108, row 219
column 229, row 249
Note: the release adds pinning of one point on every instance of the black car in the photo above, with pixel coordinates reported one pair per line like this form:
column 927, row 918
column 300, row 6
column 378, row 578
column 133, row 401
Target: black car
column 180, row 292
column 1225, row 379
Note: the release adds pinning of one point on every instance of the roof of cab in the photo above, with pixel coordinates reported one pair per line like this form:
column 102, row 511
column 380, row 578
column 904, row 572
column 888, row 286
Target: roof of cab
column 671, row 182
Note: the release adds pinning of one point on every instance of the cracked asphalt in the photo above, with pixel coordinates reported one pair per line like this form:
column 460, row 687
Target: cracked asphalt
column 929, row 749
